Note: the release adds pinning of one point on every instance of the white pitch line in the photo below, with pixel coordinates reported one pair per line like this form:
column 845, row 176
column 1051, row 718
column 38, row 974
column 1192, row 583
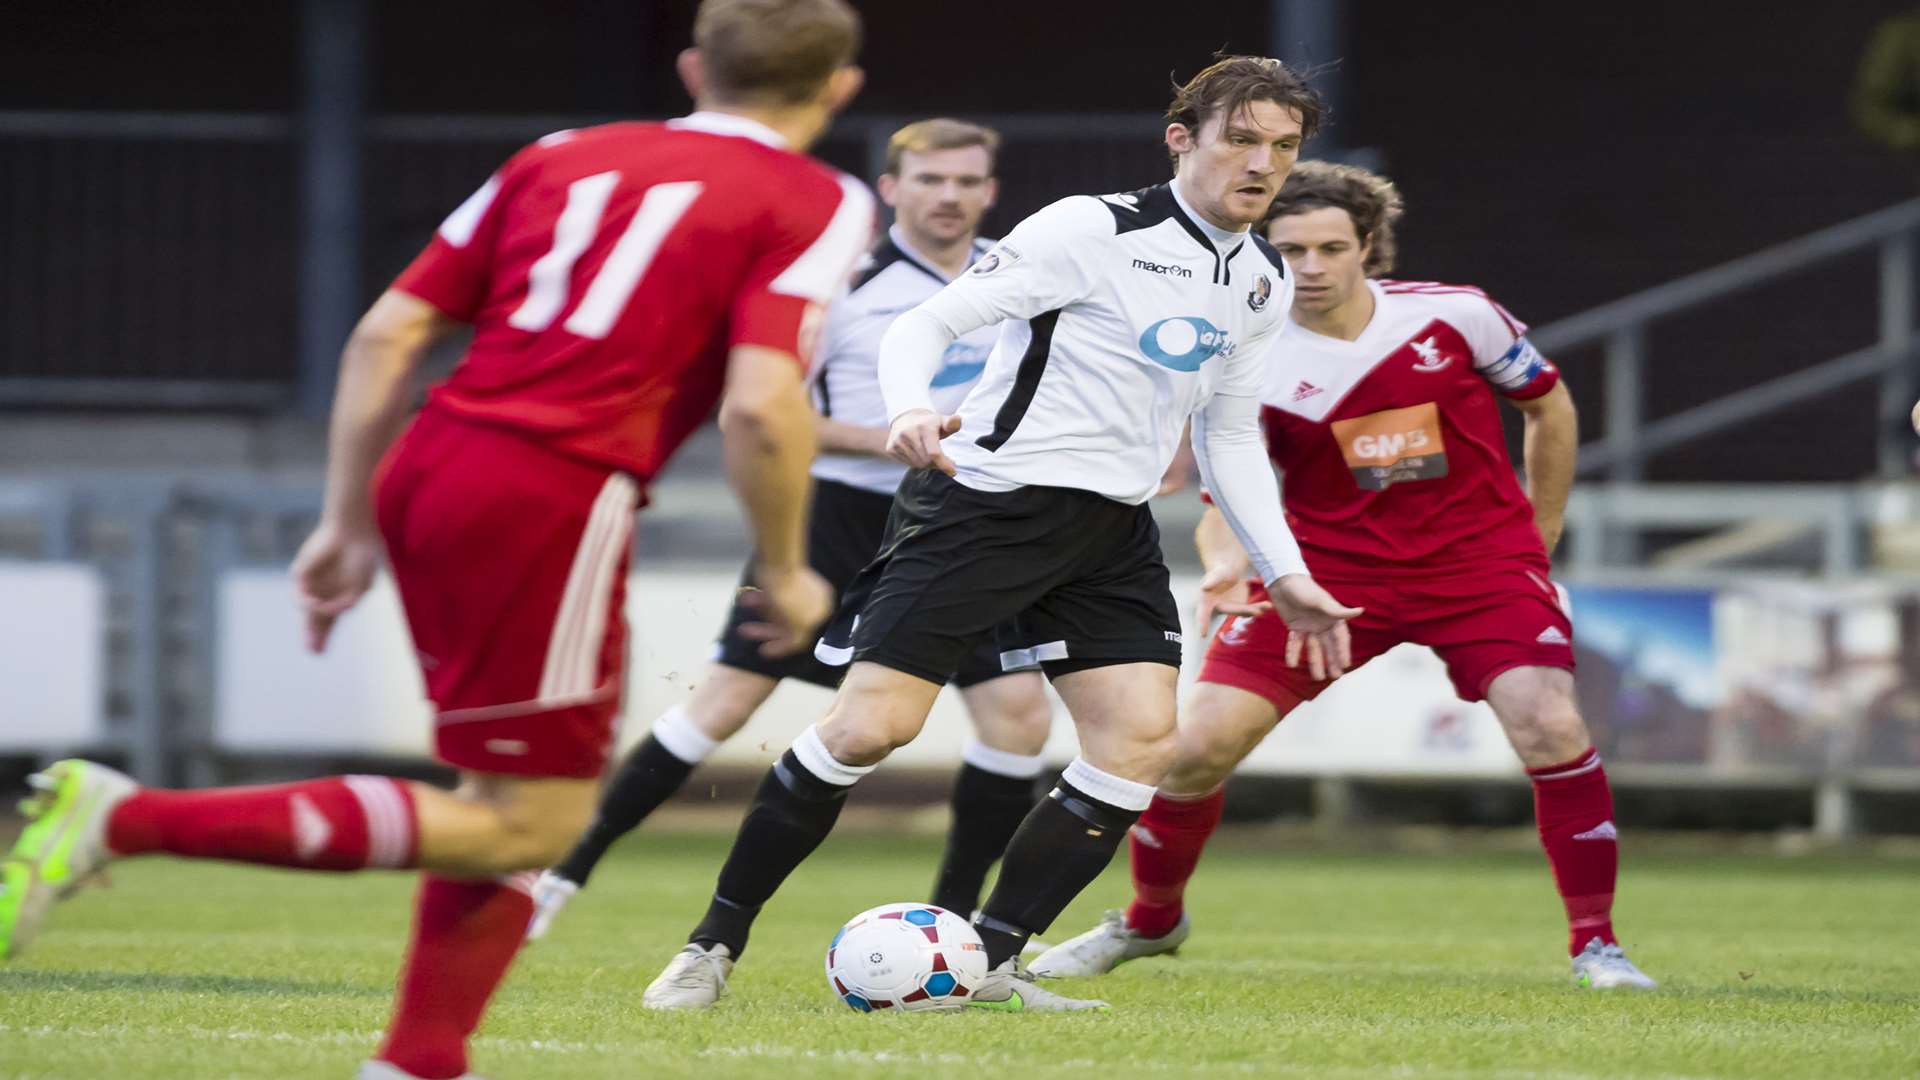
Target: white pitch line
column 858, row 1058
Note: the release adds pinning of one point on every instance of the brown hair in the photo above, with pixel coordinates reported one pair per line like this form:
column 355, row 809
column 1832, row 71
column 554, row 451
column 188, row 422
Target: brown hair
column 1369, row 199
column 1231, row 83
column 773, row 51
column 940, row 133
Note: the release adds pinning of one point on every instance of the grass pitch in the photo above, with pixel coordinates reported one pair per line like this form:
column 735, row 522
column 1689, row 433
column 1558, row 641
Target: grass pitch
column 1301, row 965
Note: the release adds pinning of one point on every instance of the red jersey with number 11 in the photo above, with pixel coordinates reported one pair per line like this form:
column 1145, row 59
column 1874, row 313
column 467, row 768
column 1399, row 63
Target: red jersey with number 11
column 607, row 271
column 1392, row 456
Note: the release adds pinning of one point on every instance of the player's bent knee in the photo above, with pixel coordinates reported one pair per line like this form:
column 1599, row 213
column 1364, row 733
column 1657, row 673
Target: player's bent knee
column 856, row 740
column 534, row 821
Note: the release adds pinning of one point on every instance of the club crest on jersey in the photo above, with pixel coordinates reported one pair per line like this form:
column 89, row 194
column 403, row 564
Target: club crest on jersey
column 1431, row 358
column 993, row 260
column 1184, row 342
column 1261, row 292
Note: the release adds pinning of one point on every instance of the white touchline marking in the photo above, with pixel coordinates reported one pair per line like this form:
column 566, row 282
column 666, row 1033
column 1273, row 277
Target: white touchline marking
column 775, row 1050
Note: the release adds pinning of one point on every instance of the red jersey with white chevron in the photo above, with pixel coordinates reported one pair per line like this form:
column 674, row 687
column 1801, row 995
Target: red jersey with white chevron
column 1390, row 446
column 607, row 271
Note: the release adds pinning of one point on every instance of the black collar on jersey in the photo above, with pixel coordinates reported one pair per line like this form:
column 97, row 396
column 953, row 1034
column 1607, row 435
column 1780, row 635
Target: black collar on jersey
column 886, row 253
column 1148, row 207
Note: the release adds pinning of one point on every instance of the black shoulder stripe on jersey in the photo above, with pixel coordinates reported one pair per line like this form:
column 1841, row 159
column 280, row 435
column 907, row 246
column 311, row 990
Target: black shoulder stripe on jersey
column 922, row 267
column 1026, row 381
column 1265, row 247
column 1141, row 209
column 884, row 254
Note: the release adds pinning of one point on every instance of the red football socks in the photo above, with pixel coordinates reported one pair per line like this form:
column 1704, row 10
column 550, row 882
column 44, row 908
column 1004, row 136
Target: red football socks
column 337, row 823
column 1573, row 806
column 1165, row 846
column 465, row 935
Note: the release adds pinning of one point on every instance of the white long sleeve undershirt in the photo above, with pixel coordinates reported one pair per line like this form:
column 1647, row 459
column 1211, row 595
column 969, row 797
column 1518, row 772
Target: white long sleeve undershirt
column 912, row 349
column 1232, row 456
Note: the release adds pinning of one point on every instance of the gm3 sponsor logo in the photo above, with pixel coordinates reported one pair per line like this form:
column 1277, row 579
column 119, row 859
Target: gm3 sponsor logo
column 1184, row 342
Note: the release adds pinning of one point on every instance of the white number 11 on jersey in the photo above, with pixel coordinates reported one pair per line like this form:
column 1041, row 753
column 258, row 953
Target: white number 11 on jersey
column 606, row 297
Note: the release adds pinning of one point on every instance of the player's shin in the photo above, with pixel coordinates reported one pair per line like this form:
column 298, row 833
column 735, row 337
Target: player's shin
column 1165, row 847
column 991, row 797
column 1573, row 807
column 794, row 809
column 465, row 935
column 650, row 775
column 1061, row 847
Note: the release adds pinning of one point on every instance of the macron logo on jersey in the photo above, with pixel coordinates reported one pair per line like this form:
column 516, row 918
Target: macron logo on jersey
column 1163, row 269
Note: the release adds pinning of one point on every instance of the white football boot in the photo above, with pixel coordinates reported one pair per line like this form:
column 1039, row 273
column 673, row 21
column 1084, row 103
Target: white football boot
column 550, row 893
column 1106, row 947
column 694, row 979
column 1601, row 966
column 1011, row 988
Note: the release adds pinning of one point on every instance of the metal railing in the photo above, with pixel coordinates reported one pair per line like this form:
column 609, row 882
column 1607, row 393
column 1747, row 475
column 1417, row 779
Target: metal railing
column 1621, row 327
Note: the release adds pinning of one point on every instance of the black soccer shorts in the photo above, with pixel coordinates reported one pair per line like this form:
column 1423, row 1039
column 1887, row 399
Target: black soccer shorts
column 1064, row 578
column 844, row 531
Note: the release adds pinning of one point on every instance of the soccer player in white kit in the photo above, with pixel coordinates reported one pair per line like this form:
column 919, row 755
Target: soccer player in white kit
column 1122, row 318
column 1383, row 416
column 940, row 183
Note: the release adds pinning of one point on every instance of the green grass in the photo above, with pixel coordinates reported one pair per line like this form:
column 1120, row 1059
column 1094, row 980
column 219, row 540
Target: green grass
column 1303, row 965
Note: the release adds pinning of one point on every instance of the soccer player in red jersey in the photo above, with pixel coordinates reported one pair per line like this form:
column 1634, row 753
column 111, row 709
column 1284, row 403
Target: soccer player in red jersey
column 1381, row 413
column 620, row 281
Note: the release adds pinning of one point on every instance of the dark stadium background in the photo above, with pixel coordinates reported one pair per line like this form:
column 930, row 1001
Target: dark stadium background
column 1559, row 155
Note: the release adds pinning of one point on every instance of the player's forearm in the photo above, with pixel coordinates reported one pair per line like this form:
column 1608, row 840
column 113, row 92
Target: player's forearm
column 372, row 401
column 1550, row 448
column 1214, row 540
column 910, row 354
column 768, row 440
column 840, row 437
column 1232, row 457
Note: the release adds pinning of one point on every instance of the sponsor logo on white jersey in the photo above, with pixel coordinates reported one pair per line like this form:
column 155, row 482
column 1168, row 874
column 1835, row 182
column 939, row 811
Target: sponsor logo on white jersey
column 1551, row 636
column 1602, row 831
column 1163, row 269
column 1431, row 358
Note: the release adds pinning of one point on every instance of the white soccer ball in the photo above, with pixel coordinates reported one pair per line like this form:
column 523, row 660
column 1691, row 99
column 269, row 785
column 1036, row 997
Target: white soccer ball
column 906, row 956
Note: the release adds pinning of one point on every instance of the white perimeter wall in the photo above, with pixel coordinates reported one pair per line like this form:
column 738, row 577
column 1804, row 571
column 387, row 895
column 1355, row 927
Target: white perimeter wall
column 1396, row 716
column 52, row 634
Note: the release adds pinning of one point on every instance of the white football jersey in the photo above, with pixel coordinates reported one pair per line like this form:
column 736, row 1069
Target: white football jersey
column 1123, row 315
column 893, row 279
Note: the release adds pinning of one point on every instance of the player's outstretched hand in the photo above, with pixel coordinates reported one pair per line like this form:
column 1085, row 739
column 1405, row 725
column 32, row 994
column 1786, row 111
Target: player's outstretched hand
column 1318, row 623
column 789, row 607
column 914, row 439
column 1224, row 591
column 333, row 570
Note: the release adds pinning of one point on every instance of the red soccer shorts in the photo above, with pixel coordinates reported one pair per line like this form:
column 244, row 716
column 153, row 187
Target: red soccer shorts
column 511, row 562
column 1480, row 624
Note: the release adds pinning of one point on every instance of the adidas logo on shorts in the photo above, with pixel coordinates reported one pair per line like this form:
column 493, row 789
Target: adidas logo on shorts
column 1551, row 636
